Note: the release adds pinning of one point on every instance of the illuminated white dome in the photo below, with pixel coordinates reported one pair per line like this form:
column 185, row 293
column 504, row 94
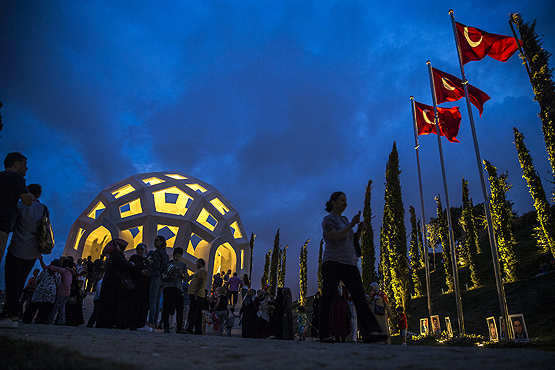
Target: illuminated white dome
column 186, row 211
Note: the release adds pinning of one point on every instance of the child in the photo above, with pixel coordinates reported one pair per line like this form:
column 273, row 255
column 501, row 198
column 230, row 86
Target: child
column 402, row 322
column 302, row 321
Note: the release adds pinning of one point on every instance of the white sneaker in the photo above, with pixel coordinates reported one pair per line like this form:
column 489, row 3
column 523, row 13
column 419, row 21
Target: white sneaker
column 146, row 328
column 7, row 323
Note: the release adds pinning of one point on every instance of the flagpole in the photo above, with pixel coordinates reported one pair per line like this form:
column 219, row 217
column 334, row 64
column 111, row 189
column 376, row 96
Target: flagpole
column 492, row 241
column 449, row 222
column 423, row 230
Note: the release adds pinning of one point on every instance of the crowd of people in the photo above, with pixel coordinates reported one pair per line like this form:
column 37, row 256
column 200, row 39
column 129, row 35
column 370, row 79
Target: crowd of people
column 150, row 290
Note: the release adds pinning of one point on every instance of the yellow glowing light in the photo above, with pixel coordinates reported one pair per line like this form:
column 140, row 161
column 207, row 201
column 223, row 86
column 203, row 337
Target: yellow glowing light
column 219, row 206
column 96, row 211
column 133, row 236
column 172, row 200
column 242, row 258
column 207, row 220
column 177, row 177
column 196, row 242
column 152, row 181
column 78, row 239
column 131, row 208
column 169, row 232
column 225, row 258
column 197, row 187
column 126, row 189
column 236, row 231
column 95, row 242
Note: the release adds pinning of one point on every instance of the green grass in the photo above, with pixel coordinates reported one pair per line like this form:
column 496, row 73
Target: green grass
column 23, row 354
column 531, row 296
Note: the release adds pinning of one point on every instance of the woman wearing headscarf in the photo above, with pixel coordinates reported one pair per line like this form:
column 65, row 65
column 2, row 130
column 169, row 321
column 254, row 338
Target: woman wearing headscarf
column 288, row 331
column 112, row 310
column 277, row 318
column 249, row 318
column 339, row 263
column 263, row 314
column 379, row 305
column 138, row 297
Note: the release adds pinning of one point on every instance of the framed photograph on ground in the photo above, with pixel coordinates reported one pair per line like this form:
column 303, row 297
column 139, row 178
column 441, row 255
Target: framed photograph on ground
column 519, row 327
column 448, row 327
column 502, row 330
column 492, row 329
column 424, row 327
column 436, row 326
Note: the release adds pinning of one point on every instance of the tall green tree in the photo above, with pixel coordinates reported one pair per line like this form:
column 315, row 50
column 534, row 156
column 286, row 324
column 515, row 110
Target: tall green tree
column 543, row 209
column 319, row 273
column 251, row 243
column 395, row 232
column 265, row 274
column 445, row 244
column 368, row 249
column 274, row 264
column 282, row 265
column 414, row 254
column 501, row 214
column 541, row 79
column 421, row 246
column 471, row 238
column 303, row 273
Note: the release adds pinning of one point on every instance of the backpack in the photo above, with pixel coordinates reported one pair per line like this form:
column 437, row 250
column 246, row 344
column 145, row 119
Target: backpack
column 169, row 273
column 46, row 235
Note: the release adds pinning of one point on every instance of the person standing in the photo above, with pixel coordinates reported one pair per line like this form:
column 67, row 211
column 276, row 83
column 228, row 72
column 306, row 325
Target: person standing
column 339, row 263
column 196, row 294
column 157, row 263
column 89, row 266
column 138, row 297
column 173, row 292
column 22, row 253
column 233, row 291
column 12, row 188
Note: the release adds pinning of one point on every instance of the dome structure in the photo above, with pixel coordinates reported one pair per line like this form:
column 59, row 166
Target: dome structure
column 188, row 212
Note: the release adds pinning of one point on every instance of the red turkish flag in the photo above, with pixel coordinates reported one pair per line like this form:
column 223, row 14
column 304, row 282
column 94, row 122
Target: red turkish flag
column 450, row 88
column 475, row 44
column 449, row 121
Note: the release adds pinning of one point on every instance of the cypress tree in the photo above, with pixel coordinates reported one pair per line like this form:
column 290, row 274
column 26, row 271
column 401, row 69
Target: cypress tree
column 414, row 254
column 282, row 265
column 471, row 239
column 543, row 210
column 319, row 273
column 264, row 279
column 384, row 271
column 251, row 242
column 368, row 249
column 541, row 79
column 501, row 214
column 303, row 273
column 274, row 264
column 421, row 246
column 395, row 232
column 445, row 245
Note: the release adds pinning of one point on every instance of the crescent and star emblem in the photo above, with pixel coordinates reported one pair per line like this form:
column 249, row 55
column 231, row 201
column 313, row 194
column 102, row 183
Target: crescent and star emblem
column 446, row 84
column 470, row 42
column 425, row 115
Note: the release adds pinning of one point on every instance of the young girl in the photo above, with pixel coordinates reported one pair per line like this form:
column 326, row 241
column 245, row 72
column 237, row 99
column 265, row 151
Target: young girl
column 402, row 321
column 302, row 321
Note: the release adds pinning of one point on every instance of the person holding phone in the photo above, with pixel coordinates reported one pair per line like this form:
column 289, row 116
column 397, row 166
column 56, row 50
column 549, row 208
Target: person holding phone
column 339, row 263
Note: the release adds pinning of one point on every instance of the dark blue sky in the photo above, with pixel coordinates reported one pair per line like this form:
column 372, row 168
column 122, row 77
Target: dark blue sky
column 276, row 104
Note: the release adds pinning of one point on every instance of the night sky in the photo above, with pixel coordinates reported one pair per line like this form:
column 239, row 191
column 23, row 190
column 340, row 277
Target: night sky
column 276, row 104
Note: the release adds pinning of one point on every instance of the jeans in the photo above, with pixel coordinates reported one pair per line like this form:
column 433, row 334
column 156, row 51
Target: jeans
column 174, row 296
column 332, row 274
column 194, row 321
column 222, row 317
column 16, row 270
column 154, row 294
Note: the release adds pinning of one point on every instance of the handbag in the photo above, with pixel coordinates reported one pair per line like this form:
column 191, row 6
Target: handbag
column 46, row 235
column 379, row 310
column 127, row 283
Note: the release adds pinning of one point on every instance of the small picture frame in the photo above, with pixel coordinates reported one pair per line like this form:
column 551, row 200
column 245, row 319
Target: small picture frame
column 436, row 326
column 448, row 327
column 492, row 329
column 424, row 328
column 519, row 327
column 502, row 329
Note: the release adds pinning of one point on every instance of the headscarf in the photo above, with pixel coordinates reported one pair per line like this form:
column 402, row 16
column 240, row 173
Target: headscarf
column 287, row 292
column 378, row 291
column 115, row 245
